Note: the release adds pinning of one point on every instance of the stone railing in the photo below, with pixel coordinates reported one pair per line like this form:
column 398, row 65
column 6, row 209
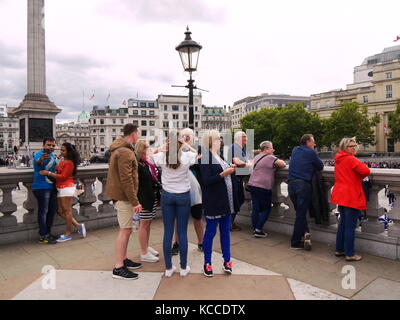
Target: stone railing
column 371, row 239
column 83, row 209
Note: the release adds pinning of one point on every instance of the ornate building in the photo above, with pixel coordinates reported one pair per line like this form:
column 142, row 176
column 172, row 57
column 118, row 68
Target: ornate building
column 216, row 118
column 9, row 137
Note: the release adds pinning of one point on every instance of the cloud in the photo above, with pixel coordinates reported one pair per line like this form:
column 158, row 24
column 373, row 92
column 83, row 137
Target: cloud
column 12, row 57
column 165, row 11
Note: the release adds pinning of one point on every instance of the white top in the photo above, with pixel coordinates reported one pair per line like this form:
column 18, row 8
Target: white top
column 175, row 180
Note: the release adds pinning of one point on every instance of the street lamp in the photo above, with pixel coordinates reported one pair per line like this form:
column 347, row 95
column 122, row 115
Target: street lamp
column 189, row 52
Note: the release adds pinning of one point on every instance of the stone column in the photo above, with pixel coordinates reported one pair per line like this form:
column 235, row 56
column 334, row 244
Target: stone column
column 8, row 207
column 30, row 204
column 374, row 211
column 87, row 198
column 277, row 198
column 105, row 207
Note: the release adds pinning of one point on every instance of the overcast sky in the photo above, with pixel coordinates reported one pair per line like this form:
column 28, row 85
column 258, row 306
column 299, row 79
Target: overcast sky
column 127, row 47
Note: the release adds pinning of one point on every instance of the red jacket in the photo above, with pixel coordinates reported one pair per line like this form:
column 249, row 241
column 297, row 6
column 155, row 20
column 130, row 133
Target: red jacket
column 64, row 178
column 349, row 172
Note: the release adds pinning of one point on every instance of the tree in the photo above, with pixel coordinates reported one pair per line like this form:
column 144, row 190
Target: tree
column 394, row 123
column 284, row 126
column 351, row 120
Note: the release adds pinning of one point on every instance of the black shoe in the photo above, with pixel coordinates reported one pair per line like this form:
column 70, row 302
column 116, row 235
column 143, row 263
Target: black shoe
column 207, row 270
column 259, row 234
column 227, row 267
column 175, row 249
column 47, row 240
column 53, row 237
column 200, row 247
column 131, row 265
column 124, row 273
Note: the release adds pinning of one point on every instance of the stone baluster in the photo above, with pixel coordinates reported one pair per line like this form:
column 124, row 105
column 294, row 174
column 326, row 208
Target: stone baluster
column 290, row 212
column 8, row 207
column 394, row 213
column 31, row 205
column 332, row 219
column 87, row 198
column 105, row 207
column 277, row 198
column 374, row 211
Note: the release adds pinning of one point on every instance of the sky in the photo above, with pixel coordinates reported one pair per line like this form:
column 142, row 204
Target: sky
column 126, row 48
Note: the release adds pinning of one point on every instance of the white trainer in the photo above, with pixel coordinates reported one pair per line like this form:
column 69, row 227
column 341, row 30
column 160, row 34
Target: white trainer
column 148, row 257
column 184, row 272
column 170, row 272
column 153, row 252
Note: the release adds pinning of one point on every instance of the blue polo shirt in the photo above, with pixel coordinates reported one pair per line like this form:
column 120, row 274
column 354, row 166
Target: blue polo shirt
column 39, row 182
column 303, row 163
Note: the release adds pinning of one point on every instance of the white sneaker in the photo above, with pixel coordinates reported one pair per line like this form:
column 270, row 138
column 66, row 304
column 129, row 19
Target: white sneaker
column 82, row 230
column 184, row 272
column 148, row 257
column 153, row 252
column 170, row 272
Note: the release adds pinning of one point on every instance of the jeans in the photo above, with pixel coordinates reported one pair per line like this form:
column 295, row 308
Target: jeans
column 225, row 236
column 346, row 230
column 239, row 195
column 175, row 206
column 261, row 200
column 47, row 208
column 300, row 194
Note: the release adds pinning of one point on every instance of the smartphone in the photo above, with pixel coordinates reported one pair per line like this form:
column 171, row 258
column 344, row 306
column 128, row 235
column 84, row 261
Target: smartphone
column 47, row 151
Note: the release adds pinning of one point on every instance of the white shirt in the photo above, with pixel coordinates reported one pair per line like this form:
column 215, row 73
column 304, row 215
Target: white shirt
column 175, row 180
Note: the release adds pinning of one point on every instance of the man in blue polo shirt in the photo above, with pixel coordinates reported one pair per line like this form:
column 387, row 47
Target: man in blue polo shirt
column 303, row 163
column 45, row 191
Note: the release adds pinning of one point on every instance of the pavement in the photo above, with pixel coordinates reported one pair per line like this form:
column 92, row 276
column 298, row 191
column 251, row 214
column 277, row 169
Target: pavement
column 263, row 269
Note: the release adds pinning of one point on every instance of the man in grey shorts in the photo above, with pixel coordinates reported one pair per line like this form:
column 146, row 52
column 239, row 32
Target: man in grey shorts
column 122, row 187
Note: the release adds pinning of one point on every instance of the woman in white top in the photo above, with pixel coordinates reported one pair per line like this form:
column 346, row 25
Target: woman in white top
column 175, row 198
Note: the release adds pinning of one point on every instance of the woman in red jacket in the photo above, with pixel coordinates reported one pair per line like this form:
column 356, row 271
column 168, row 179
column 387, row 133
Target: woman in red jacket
column 348, row 193
column 66, row 188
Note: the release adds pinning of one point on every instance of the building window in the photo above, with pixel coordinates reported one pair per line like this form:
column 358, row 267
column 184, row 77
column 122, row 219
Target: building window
column 94, row 121
column 185, row 124
column 365, row 99
column 185, row 117
column 175, row 108
column 122, row 121
column 113, row 139
column 143, row 123
column 101, row 130
column 102, row 140
column 94, row 141
column 114, row 121
column 135, row 122
column 388, row 75
column 151, row 105
column 135, row 112
column 196, row 124
column 102, row 149
column 114, row 130
column 196, row 109
column 165, row 124
column 389, row 91
column 165, row 107
column 143, row 113
column 143, row 104
column 152, row 113
column 175, row 116
column 184, row 108
column 165, row 116
column 101, row 121
column 144, row 133
column 152, row 132
column 152, row 123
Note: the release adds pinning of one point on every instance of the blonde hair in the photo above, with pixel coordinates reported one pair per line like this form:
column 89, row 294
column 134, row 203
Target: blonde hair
column 208, row 139
column 345, row 143
column 140, row 146
column 174, row 150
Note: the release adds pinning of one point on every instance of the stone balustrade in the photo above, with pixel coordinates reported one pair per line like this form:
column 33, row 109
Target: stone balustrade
column 371, row 239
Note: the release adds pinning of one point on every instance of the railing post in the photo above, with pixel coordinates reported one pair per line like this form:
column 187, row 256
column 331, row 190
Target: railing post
column 105, row 207
column 30, row 204
column 8, row 207
column 374, row 211
column 87, row 198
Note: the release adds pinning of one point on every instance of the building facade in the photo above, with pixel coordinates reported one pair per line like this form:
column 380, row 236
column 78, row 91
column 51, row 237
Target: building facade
column 174, row 112
column 76, row 133
column 244, row 106
column 9, row 135
column 376, row 84
column 216, row 118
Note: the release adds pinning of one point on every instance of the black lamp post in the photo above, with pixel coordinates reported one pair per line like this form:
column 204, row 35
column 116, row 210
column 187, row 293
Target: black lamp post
column 189, row 52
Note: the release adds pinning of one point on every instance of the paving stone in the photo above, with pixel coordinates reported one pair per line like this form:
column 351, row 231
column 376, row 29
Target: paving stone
column 303, row 291
column 102, row 287
column 11, row 287
column 224, row 287
column 380, row 289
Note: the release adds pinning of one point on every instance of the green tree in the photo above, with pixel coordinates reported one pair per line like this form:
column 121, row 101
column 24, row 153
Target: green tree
column 394, row 123
column 284, row 126
column 350, row 120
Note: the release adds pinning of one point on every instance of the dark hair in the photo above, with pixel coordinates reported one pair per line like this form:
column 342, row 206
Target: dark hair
column 73, row 155
column 306, row 137
column 129, row 128
column 48, row 139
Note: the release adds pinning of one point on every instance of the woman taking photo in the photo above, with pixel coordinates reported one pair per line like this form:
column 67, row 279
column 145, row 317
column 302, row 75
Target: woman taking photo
column 219, row 188
column 349, row 195
column 147, row 198
column 66, row 188
column 175, row 197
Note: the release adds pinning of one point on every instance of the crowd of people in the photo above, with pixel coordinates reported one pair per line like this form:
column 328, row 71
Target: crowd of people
column 372, row 164
column 203, row 183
